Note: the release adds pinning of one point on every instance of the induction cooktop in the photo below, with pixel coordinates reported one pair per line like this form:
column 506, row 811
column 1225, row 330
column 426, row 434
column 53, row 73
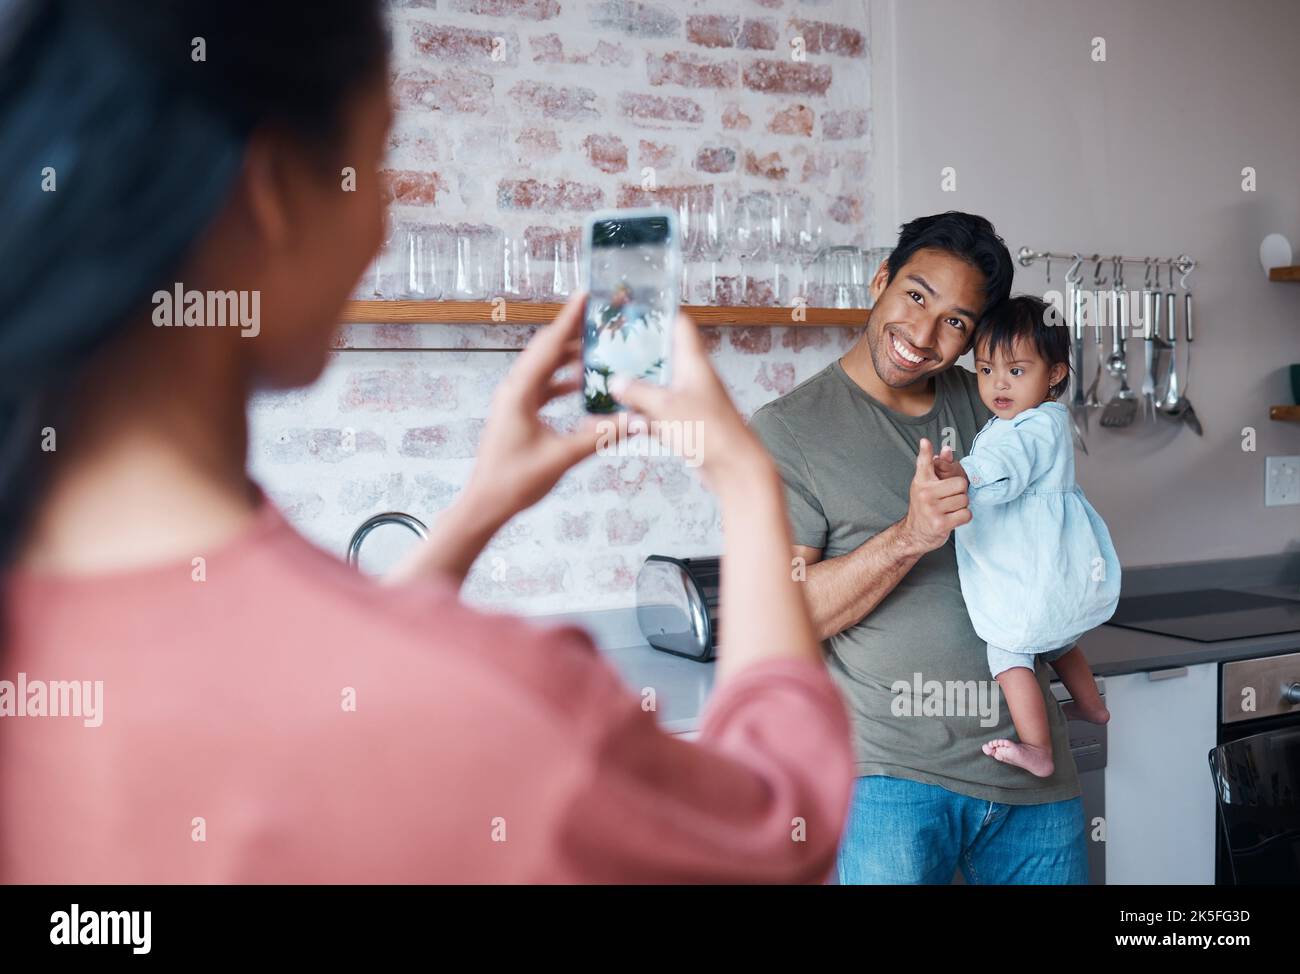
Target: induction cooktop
column 1209, row 615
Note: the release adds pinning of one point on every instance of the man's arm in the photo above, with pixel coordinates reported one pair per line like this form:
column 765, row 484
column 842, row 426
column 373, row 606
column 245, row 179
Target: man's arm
column 842, row 591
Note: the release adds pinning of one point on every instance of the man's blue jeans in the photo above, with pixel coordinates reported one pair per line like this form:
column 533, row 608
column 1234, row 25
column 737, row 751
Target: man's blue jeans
column 902, row 831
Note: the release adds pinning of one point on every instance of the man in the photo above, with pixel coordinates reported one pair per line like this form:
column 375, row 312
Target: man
column 872, row 530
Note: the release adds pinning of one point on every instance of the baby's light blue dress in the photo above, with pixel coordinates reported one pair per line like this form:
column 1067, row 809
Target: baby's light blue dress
column 1036, row 563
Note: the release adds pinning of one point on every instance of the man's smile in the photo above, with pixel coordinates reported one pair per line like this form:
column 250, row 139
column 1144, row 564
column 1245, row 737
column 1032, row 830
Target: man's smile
column 903, row 354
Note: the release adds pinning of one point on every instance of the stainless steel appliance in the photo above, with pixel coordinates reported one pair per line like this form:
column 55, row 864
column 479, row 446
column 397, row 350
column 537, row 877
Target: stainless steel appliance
column 677, row 605
column 1256, row 771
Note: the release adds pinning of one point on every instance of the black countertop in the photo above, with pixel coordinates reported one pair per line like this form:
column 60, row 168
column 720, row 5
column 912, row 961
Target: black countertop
column 1112, row 650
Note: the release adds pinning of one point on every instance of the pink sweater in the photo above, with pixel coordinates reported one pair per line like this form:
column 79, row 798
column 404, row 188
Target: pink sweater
column 287, row 720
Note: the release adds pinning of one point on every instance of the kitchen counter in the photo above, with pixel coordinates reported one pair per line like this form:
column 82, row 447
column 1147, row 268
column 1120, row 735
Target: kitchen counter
column 1113, row 650
column 681, row 686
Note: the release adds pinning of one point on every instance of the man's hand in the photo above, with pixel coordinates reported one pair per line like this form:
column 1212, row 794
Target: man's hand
column 935, row 505
column 945, row 467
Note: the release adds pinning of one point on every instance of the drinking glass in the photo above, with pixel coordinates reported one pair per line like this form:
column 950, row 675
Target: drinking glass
column 382, row 278
column 442, row 250
column 465, row 288
column 516, row 268
column 478, row 263
column 752, row 238
column 560, row 269
column 716, row 220
column 838, row 278
column 875, row 256
column 487, row 249
column 418, row 279
column 792, row 235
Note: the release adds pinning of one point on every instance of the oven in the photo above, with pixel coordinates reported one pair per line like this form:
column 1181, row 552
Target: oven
column 1260, row 699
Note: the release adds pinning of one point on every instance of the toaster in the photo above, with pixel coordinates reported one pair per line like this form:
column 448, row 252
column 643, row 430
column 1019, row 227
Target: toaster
column 677, row 605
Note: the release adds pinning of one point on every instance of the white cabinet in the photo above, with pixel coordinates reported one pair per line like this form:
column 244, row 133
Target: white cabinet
column 1160, row 824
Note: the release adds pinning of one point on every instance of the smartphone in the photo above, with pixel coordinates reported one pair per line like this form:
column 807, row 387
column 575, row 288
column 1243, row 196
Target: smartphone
column 632, row 261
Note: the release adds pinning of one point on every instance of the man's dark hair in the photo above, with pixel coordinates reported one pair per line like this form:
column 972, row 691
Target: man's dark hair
column 1034, row 320
column 964, row 235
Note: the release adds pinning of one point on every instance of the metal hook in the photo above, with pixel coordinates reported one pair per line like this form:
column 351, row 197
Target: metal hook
column 1186, row 265
column 1071, row 275
column 1096, row 270
column 1048, row 259
column 1119, row 271
column 1146, row 273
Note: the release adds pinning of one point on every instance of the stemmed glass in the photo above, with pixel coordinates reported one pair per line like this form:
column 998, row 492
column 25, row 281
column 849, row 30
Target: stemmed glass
column 694, row 209
column 686, row 234
column 797, row 234
column 751, row 238
column 717, row 219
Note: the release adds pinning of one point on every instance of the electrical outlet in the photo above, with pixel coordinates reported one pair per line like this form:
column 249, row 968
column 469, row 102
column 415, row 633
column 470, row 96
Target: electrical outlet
column 1281, row 481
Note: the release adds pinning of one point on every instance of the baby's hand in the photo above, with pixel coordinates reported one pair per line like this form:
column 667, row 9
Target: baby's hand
column 946, row 467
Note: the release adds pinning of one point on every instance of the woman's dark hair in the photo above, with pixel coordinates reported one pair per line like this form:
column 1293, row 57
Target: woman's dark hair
column 123, row 125
column 964, row 235
column 1034, row 320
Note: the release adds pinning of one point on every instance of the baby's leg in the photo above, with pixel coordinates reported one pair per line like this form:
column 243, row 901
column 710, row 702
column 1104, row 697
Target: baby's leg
column 1076, row 674
column 1033, row 751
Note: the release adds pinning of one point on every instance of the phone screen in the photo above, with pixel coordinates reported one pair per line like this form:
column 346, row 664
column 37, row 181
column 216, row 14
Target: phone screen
column 631, row 304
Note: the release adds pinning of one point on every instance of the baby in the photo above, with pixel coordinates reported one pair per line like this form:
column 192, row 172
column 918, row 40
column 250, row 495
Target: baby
column 1036, row 563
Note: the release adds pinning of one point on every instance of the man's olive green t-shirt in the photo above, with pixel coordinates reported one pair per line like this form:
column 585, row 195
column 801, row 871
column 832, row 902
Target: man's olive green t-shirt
column 847, row 462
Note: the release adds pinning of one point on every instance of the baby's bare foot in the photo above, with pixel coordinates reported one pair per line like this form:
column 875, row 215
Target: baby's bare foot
column 1036, row 760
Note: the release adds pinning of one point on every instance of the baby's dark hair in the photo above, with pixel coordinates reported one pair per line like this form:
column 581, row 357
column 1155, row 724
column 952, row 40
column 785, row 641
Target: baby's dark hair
column 1033, row 319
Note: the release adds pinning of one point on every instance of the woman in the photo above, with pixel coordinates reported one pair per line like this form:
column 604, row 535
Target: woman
column 267, row 714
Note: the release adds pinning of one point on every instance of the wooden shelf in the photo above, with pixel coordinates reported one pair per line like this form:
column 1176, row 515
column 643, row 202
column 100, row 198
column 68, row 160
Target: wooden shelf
column 1285, row 274
column 528, row 313
column 1287, row 413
